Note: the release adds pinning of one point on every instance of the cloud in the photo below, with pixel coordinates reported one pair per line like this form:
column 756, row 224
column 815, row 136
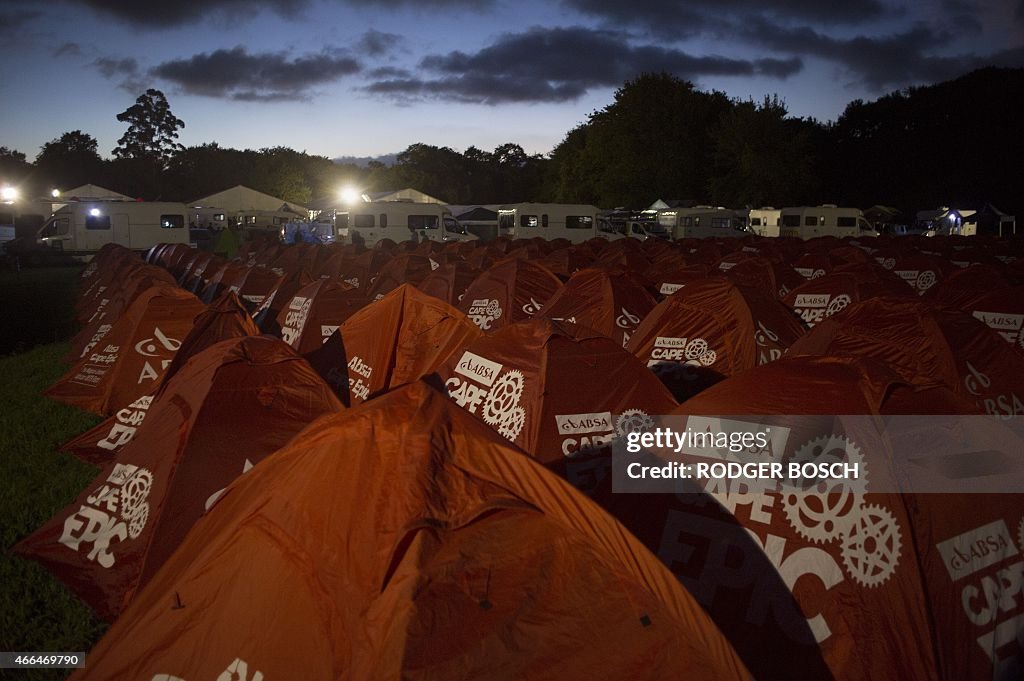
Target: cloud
column 389, row 72
column 168, row 13
column 561, row 64
column 236, row 74
column 664, row 17
column 478, row 5
column 68, row 50
column 880, row 63
column 374, row 43
column 124, row 69
column 14, row 20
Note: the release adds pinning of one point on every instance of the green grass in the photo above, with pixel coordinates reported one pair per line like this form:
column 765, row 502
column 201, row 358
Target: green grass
column 36, row 612
column 37, row 306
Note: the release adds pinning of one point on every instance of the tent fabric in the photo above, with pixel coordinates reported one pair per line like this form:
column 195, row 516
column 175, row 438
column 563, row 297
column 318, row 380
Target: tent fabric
column 406, row 268
column 612, row 303
column 443, row 553
column 561, row 392
column 221, row 321
column 126, row 360
column 398, row 339
column 449, row 281
column 316, row 311
column 963, row 287
column 198, row 436
column 824, row 296
column 924, row 343
column 1002, row 310
column 512, row 290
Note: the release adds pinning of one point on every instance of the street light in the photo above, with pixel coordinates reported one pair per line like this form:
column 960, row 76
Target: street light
column 350, row 195
column 9, row 194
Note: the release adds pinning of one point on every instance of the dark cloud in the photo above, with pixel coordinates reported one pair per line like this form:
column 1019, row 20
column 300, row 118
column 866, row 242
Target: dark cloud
column 12, row 21
column 435, row 4
column 68, row 49
column 375, row 43
column 881, row 63
column 389, row 73
column 167, row 13
column 125, row 70
column 561, row 64
column 236, row 74
column 665, row 17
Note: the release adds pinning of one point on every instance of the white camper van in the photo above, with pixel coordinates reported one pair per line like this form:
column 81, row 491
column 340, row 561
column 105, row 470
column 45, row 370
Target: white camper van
column 396, row 220
column 80, row 229
column 700, row 221
column 807, row 222
column 764, row 221
column 573, row 221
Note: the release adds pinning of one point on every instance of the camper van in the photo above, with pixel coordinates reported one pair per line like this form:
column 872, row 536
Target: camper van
column 807, row 222
column 82, row 228
column 370, row 222
column 764, row 221
column 572, row 221
column 700, row 221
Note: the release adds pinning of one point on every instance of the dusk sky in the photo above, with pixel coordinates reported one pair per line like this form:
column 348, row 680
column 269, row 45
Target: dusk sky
column 369, row 77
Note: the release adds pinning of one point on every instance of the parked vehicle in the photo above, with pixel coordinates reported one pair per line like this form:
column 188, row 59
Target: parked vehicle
column 807, row 222
column 764, row 221
column 573, row 221
column 370, row 222
column 81, row 229
column 701, row 221
column 946, row 221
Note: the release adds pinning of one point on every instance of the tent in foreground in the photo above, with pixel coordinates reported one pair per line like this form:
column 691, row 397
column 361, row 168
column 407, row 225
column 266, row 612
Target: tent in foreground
column 226, row 410
column 405, row 539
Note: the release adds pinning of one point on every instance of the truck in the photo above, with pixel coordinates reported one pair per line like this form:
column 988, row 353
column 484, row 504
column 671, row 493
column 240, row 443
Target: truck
column 764, row 221
column 80, row 229
column 807, row 222
column 573, row 221
column 701, row 221
column 369, row 222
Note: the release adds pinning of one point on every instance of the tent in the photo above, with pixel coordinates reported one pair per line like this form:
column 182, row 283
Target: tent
column 1002, row 309
column 510, row 291
column 126, row 360
column 398, row 339
column 611, row 302
column 407, row 540
column 824, row 296
column 316, row 311
column 449, row 281
column 225, row 319
column 227, row 409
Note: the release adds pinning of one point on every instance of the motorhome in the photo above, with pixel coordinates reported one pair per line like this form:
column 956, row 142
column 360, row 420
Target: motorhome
column 216, row 219
column 369, row 222
column 764, row 221
column 947, row 221
column 80, row 229
column 573, row 221
column 701, row 221
column 807, row 222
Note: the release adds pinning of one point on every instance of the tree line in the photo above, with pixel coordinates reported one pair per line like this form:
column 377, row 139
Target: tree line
column 954, row 143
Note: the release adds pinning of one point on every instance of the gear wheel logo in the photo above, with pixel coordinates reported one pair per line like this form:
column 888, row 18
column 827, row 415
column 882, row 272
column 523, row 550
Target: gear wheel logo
column 503, row 397
column 633, row 421
column 871, row 548
column 134, row 508
column 837, row 304
column 696, row 348
column 925, row 280
column 888, row 263
column 824, row 512
column 513, row 425
column 493, row 309
column 817, row 273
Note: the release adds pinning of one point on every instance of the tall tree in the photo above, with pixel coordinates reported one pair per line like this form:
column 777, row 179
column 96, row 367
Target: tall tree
column 152, row 130
column 70, row 160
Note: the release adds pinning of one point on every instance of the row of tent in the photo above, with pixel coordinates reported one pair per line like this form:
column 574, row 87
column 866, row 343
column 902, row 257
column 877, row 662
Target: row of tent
column 326, row 462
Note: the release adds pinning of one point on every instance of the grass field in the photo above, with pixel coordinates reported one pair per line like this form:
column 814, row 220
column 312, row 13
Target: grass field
column 36, row 306
column 36, row 612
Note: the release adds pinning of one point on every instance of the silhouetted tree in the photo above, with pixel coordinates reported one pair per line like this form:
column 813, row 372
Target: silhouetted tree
column 152, row 130
column 70, row 160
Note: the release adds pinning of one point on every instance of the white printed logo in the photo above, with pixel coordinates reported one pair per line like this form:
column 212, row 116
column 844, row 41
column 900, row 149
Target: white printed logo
column 295, row 320
column 484, row 311
column 499, row 406
column 815, row 307
column 117, row 510
column 1005, row 324
column 694, row 352
column 359, row 378
column 128, row 421
column 627, row 320
column 767, row 342
column 976, row 549
column 532, row 307
column 668, row 289
column 810, row 273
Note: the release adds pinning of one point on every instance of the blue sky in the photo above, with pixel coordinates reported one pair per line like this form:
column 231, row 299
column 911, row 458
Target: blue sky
column 369, row 77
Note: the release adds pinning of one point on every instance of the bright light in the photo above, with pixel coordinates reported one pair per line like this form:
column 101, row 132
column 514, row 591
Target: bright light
column 9, row 193
column 95, row 212
column 55, row 193
column 350, row 195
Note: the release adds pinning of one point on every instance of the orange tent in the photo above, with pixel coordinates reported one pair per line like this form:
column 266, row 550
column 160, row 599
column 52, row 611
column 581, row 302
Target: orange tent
column 824, row 296
column 963, row 287
column 253, row 285
column 226, row 410
column 612, row 303
column 1002, row 310
column 510, row 291
column 406, row 268
column 398, row 339
column 449, row 281
column 925, row 343
column 221, row 321
column 443, row 553
column 126, row 360
column 316, row 311
column 560, row 391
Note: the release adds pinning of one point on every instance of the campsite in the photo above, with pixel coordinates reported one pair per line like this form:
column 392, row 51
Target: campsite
column 340, row 461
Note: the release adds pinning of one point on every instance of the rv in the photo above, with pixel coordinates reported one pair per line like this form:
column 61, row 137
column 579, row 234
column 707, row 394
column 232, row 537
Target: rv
column 572, row 221
column 368, row 223
column 965, row 222
column 807, row 222
column 700, row 221
column 764, row 221
column 82, row 228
